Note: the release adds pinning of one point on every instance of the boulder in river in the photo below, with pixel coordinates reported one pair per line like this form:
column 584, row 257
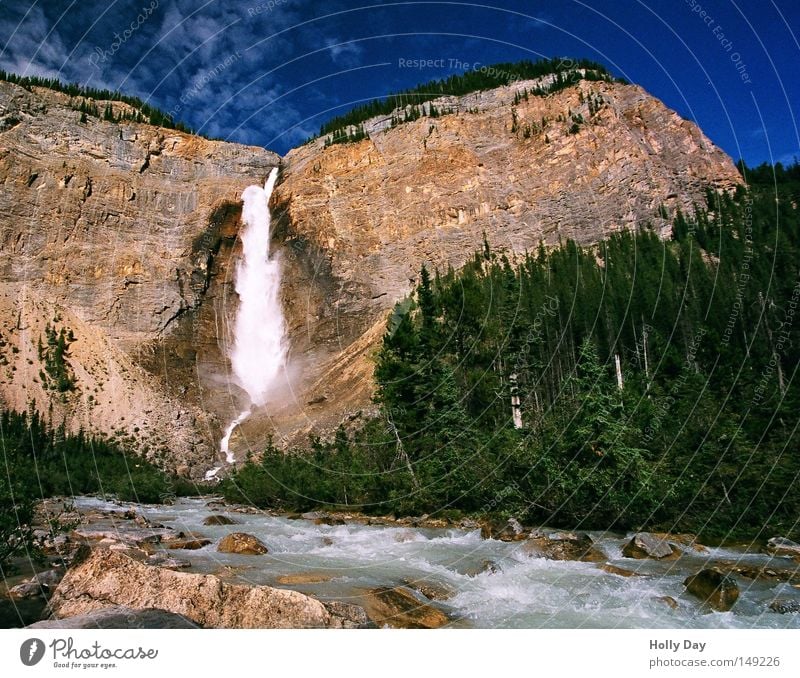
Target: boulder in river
column 164, row 559
column 187, row 543
column 490, row 567
column 41, row 584
column 404, row 534
column 219, row 520
column 109, row 578
column 399, row 608
column 474, row 569
column 300, row 578
column 713, row 587
column 327, row 519
column 510, row 530
column 349, row 616
column 770, row 573
column 684, row 540
column 669, row 601
column 619, row 571
column 564, row 546
column 242, row 543
column 25, row 589
column 781, row 546
column 646, row 545
column 432, row 590
column 127, row 534
column 309, row 515
column 784, row 606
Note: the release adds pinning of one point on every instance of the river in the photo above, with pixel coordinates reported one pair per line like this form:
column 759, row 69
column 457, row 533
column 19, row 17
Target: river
column 520, row 592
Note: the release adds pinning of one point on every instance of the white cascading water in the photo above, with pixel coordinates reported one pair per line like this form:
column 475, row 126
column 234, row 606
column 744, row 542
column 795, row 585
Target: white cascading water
column 259, row 346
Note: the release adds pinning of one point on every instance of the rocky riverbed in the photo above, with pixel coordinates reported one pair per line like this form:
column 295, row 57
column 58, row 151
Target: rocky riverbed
column 198, row 563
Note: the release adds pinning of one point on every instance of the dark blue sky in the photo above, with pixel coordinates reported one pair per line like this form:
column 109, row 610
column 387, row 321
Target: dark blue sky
column 268, row 72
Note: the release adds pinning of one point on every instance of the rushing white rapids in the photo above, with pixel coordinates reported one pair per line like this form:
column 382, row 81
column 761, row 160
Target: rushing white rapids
column 259, row 348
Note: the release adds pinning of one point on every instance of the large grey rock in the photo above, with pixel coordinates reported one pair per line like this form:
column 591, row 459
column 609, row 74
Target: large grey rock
column 127, row 533
column 646, row 545
column 110, row 578
column 25, row 589
column 781, row 546
column 39, row 585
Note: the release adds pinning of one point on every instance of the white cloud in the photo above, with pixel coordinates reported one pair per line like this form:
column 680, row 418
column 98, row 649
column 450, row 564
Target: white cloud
column 343, row 52
column 28, row 50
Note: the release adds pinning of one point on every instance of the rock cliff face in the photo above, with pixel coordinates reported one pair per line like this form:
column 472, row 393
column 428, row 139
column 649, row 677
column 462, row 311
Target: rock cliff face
column 125, row 234
column 108, row 231
column 582, row 163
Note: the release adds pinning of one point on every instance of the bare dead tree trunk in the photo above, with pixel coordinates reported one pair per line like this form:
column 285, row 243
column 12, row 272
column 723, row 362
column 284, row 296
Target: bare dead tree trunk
column 775, row 356
column 401, row 451
column 516, row 406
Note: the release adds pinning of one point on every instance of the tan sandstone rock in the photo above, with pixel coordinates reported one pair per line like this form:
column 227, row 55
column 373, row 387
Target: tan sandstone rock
column 714, row 588
column 399, row 608
column 109, row 578
column 242, row 543
column 564, row 546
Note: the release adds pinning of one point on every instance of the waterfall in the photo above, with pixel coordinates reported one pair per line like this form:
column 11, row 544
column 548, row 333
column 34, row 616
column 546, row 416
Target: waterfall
column 259, row 351
column 259, row 347
column 226, row 437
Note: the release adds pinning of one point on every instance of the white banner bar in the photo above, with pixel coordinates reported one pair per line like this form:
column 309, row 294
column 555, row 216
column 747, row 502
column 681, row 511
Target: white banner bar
column 387, row 653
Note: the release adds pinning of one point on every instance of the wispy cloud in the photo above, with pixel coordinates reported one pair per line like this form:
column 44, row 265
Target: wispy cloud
column 26, row 50
column 344, row 52
column 188, row 57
